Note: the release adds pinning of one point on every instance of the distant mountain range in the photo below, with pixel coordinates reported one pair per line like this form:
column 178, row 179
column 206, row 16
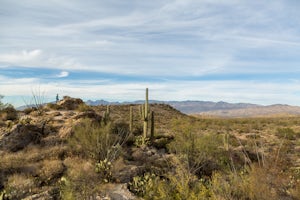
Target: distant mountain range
column 187, row 107
column 214, row 109
column 219, row 109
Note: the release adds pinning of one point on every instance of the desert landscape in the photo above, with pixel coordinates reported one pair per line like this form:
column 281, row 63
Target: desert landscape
column 149, row 100
column 69, row 150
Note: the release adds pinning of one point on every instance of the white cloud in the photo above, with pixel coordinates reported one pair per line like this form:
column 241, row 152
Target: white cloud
column 230, row 91
column 39, row 59
column 24, row 56
column 63, row 74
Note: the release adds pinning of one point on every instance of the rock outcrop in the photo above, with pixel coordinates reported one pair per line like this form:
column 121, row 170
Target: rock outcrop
column 69, row 103
column 20, row 136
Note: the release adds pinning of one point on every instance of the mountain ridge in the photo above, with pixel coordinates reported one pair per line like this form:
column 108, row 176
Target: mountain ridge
column 218, row 109
column 210, row 108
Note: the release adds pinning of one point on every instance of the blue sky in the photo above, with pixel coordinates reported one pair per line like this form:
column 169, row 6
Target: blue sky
column 217, row 50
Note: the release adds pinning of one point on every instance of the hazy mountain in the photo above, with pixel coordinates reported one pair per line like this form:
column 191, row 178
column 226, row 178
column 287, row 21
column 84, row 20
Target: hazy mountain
column 188, row 107
column 259, row 111
column 209, row 108
column 218, row 109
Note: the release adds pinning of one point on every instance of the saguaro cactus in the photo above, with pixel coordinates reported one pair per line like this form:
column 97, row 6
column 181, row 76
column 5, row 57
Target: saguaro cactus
column 152, row 126
column 131, row 120
column 145, row 115
column 106, row 114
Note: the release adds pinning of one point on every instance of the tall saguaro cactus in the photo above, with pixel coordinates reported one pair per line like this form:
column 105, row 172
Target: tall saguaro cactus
column 146, row 115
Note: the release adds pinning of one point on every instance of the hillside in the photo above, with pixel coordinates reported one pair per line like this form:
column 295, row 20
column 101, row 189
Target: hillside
column 70, row 150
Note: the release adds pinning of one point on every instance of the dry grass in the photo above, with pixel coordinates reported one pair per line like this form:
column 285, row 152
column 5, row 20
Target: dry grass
column 19, row 185
column 211, row 158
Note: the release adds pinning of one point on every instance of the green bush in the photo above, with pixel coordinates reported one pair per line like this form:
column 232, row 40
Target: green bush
column 202, row 153
column 96, row 141
column 140, row 141
column 104, row 169
column 54, row 106
column 141, row 185
column 177, row 184
column 8, row 113
column 287, row 133
column 84, row 108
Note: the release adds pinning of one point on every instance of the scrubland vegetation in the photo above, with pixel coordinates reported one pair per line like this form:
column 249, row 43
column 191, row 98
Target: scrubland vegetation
column 82, row 152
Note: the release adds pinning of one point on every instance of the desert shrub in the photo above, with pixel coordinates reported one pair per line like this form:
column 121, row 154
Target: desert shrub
column 140, row 141
column 84, row 108
column 254, row 182
column 66, row 190
column 120, row 128
column 96, row 141
column 104, row 168
column 100, row 143
column 177, row 184
column 8, row 113
column 287, row 133
column 54, row 106
column 28, row 110
column 50, row 171
column 80, row 180
column 18, row 186
column 161, row 143
column 202, row 153
column 141, row 185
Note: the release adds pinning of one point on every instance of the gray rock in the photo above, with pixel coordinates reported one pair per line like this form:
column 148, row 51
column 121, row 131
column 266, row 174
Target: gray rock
column 21, row 136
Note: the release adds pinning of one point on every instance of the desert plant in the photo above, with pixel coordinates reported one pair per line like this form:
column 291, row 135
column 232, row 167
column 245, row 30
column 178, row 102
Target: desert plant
column 145, row 117
column 8, row 113
column 130, row 120
column 140, row 141
column 66, row 190
column 287, row 133
column 97, row 142
column 54, row 106
column 106, row 115
column 80, row 180
column 104, row 168
column 178, row 184
column 18, row 186
column 141, row 185
column 84, row 108
column 38, row 100
column 2, row 105
column 152, row 126
column 201, row 153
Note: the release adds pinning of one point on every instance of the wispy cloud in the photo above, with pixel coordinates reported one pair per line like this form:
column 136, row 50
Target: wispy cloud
column 20, row 57
column 160, row 39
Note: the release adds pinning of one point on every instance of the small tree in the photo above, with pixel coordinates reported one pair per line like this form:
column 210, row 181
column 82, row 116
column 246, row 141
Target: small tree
column 1, row 104
column 8, row 112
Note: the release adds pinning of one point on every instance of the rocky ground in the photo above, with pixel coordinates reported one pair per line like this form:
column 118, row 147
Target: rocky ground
column 35, row 152
column 40, row 161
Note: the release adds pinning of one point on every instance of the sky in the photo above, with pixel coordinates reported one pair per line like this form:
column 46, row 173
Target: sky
column 209, row 50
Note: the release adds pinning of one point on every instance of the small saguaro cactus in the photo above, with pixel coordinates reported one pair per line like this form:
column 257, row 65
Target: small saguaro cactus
column 152, row 126
column 106, row 114
column 131, row 120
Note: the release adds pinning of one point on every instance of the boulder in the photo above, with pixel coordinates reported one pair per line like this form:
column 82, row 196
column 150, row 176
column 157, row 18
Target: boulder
column 69, row 103
column 20, row 136
column 52, row 193
column 118, row 192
